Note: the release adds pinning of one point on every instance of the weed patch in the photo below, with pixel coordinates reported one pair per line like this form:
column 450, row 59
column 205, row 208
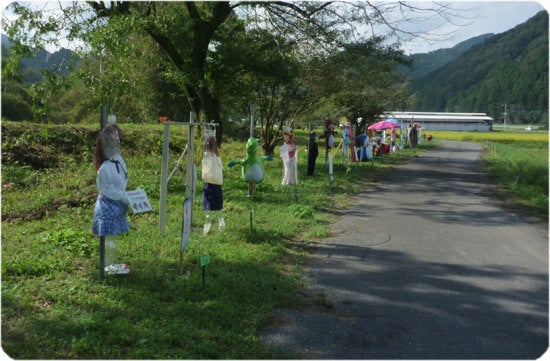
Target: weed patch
column 54, row 306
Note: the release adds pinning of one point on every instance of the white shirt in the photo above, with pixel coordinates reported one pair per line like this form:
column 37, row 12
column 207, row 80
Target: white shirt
column 112, row 179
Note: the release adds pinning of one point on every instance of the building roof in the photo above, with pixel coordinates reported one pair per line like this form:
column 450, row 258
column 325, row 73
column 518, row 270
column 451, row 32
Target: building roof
column 443, row 117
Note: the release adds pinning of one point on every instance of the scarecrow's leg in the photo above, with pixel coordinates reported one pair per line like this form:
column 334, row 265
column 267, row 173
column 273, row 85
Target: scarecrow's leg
column 221, row 221
column 207, row 223
column 110, row 250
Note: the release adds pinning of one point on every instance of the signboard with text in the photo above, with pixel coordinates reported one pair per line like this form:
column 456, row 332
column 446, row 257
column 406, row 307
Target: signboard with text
column 138, row 201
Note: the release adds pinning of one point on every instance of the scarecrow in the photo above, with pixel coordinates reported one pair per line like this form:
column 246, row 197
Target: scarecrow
column 212, row 193
column 289, row 154
column 253, row 165
column 112, row 203
column 312, row 153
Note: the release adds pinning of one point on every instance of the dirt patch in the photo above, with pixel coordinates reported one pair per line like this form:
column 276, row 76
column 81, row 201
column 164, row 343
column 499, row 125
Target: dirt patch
column 37, row 214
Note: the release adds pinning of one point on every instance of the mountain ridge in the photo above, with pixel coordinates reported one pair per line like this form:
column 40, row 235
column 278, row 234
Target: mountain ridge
column 59, row 61
column 507, row 68
column 425, row 63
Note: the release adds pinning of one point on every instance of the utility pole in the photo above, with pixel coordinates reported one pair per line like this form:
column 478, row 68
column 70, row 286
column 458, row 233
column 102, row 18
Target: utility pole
column 505, row 114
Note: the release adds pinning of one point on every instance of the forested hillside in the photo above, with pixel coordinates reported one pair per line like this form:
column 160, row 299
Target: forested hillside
column 425, row 63
column 509, row 68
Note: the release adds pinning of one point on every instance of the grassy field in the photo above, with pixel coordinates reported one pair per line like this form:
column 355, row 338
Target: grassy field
column 54, row 305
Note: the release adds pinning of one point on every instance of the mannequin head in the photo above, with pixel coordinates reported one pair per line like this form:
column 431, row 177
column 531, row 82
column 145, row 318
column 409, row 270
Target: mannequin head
column 211, row 145
column 288, row 135
column 107, row 144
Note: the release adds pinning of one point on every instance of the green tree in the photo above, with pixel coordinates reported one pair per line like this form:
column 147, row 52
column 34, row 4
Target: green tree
column 263, row 78
column 363, row 80
column 15, row 100
column 189, row 33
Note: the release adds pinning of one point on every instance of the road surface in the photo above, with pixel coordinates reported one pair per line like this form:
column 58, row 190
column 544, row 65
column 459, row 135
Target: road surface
column 426, row 264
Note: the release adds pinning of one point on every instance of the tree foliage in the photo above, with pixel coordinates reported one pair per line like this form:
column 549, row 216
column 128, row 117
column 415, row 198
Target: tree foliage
column 172, row 51
column 368, row 79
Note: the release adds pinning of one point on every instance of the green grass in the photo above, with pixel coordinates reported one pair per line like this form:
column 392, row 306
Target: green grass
column 521, row 170
column 55, row 306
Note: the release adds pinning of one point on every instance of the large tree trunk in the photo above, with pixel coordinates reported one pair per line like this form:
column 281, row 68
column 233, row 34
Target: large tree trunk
column 201, row 99
column 203, row 31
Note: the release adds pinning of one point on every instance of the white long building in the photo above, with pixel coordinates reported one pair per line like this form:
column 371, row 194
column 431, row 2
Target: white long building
column 465, row 122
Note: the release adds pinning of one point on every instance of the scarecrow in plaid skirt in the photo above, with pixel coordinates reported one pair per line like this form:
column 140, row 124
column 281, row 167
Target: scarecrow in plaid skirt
column 112, row 203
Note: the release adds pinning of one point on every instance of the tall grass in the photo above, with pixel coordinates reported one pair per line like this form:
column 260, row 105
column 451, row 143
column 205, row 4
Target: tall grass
column 521, row 169
column 55, row 306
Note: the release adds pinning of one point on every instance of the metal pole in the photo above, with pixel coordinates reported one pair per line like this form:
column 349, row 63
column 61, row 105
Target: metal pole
column 102, row 117
column 189, row 190
column 251, row 120
column 102, row 120
column 505, row 115
column 164, row 178
column 102, row 257
column 190, row 155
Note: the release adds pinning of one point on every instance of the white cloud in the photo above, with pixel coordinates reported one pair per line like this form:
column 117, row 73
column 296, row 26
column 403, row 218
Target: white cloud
column 482, row 17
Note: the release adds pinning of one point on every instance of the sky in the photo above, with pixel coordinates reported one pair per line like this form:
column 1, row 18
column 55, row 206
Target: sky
column 481, row 17
column 474, row 17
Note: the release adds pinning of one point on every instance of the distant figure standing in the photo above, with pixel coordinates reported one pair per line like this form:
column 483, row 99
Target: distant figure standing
column 212, row 175
column 112, row 203
column 393, row 140
column 289, row 154
column 313, row 152
column 362, row 141
column 328, row 135
column 414, row 136
column 346, row 142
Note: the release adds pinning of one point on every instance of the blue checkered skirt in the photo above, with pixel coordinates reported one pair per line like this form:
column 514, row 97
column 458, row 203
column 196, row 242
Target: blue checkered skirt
column 110, row 217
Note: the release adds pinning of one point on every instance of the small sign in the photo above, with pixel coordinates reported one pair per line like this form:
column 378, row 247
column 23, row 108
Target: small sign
column 138, row 201
column 186, row 227
column 205, row 260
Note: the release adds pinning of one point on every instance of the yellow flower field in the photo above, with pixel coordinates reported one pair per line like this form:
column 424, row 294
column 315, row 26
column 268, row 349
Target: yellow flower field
column 500, row 137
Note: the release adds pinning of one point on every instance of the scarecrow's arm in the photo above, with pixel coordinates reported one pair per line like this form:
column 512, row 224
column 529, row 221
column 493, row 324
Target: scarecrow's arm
column 235, row 162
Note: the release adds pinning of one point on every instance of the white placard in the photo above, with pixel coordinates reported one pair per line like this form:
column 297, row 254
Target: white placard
column 138, row 201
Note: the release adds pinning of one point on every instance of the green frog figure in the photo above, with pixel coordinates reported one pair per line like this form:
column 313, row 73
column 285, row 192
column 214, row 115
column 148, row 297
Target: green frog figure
column 253, row 165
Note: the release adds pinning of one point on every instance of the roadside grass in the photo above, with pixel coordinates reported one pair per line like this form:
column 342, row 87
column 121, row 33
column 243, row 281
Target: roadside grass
column 521, row 170
column 517, row 161
column 55, row 306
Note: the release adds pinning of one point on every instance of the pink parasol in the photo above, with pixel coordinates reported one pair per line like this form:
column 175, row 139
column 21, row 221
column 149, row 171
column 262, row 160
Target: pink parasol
column 384, row 124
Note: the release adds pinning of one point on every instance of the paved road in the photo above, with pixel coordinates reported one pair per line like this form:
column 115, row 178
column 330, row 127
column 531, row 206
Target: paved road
column 426, row 264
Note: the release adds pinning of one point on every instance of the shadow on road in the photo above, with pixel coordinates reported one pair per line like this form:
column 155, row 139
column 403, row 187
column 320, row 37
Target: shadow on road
column 390, row 305
column 425, row 265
